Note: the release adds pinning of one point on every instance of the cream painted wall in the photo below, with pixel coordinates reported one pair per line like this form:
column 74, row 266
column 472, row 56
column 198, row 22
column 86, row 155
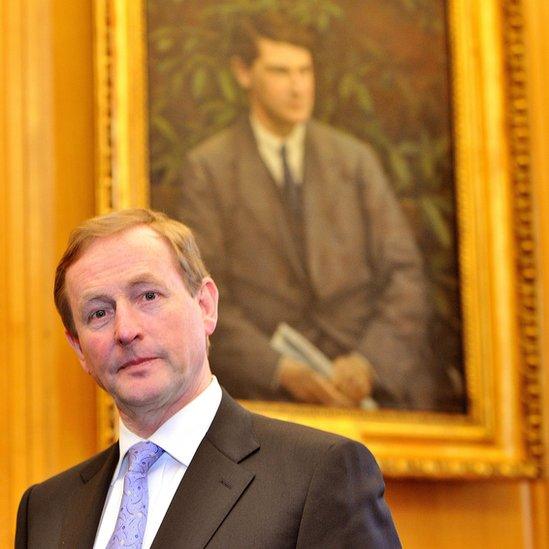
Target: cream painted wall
column 46, row 187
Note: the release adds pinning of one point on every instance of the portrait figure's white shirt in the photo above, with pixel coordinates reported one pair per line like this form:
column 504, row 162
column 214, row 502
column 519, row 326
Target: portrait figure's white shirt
column 269, row 145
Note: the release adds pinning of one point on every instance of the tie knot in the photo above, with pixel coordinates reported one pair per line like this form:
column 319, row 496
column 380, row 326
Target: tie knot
column 142, row 455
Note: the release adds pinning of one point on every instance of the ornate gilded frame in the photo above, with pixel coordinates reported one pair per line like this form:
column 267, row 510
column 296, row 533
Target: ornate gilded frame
column 501, row 433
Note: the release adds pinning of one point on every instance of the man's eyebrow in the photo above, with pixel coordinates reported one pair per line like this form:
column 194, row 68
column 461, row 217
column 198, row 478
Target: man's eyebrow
column 138, row 280
column 145, row 278
column 285, row 65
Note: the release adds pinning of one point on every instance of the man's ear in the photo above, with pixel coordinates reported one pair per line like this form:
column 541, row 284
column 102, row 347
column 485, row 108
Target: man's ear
column 75, row 344
column 241, row 71
column 208, row 297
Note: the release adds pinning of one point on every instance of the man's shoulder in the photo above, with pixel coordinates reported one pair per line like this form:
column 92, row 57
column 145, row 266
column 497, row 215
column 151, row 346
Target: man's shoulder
column 336, row 139
column 275, row 436
column 356, row 160
column 296, row 439
column 79, row 473
column 288, row 449
column 221, row 143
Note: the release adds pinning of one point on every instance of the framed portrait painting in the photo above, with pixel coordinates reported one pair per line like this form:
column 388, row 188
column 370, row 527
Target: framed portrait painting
column 357, row 177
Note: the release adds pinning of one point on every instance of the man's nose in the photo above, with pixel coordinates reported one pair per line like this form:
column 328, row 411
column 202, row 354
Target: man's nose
column 127, row 324
column 297, row 82
column 300, row 81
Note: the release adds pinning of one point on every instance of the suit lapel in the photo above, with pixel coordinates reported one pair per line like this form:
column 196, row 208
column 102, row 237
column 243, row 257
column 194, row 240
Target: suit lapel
column 260, row 197
column 86, row 503
column 213, row 482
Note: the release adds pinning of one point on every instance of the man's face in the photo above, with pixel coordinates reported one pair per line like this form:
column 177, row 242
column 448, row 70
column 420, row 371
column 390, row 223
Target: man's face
column 141, row 335
column 280, row 84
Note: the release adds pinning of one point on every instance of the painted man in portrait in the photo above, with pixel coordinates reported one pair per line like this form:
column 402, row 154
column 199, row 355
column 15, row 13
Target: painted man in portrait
column 300, row 227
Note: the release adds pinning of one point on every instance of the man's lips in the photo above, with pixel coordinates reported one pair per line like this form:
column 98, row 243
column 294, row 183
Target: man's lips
column 136, row 362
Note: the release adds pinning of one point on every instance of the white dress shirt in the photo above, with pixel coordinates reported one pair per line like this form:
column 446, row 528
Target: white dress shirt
column 179, row 437
column 269, row 146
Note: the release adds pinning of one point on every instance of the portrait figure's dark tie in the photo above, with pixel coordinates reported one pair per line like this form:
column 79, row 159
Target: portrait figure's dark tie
column 291, row 189
column 132, row 516
column 292, row 196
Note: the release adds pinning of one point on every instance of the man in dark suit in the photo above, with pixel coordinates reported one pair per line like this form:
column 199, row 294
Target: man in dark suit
column 299, row 225
column 192, row 468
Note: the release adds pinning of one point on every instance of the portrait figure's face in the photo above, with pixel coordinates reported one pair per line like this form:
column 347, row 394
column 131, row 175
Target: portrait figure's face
column 140, row 333
column 280, row 84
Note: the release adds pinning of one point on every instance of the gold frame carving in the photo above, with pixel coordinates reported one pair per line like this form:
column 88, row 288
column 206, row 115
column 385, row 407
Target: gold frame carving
column 501, row 435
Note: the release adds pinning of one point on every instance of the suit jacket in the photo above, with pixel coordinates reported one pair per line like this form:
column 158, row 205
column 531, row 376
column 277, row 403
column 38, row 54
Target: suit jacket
column 355, row 285
column 253, row 482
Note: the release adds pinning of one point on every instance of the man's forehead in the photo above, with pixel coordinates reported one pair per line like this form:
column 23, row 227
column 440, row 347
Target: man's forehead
column 269, row 49
column 128, row 248
column 139, row 236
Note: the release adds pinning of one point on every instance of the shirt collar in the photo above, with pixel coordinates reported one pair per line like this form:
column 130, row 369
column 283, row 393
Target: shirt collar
column 265, row 138
column 180, row 435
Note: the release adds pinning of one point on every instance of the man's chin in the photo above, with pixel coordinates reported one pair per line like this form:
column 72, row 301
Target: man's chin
column 140, row 395
column 296, row 118
column 285, row 122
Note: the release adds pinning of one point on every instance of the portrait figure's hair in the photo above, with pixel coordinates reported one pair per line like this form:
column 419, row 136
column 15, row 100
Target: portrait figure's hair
column 271, row 24
column 178, row 236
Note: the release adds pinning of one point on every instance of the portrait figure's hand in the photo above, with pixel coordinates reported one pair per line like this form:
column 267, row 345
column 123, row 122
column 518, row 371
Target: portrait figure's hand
column 306, row 385
column 353, row 376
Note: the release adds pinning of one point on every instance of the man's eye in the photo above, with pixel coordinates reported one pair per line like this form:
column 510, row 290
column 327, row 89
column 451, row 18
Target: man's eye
column 149, row 296
column 100, row 313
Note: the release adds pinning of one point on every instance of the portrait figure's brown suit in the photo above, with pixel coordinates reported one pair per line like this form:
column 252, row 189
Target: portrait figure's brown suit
column 354, row 284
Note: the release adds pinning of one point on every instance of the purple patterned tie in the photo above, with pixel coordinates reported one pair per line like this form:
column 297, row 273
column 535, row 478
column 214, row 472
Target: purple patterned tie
column 132, row 516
